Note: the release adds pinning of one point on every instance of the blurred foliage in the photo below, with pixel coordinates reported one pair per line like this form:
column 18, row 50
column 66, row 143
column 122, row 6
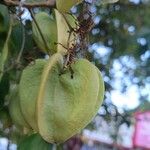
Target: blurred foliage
column 34, row 142
column 123, row 28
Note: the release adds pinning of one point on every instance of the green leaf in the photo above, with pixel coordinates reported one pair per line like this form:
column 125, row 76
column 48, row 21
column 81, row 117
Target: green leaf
column 19, row 32
column 16, row 39
column 34, row 142
column 4, row 18
column 65, row 5
column 3, row 36
column 4, row 88
column 4, row 52
column 4, row 25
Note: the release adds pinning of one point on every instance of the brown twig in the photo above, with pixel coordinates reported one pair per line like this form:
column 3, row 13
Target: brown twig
column 48, row 3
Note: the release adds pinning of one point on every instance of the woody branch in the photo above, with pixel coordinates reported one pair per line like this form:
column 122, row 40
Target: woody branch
column 48, row 3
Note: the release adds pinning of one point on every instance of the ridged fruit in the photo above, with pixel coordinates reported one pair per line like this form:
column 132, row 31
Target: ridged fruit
column 55, row 30
column 47, row 25
column 65, row 5
column 56, row 103
column 28, row 90
column 15, row 110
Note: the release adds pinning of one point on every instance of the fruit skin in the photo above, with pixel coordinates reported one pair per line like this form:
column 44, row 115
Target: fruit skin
column 47, row 25
column 61, row 105
column 65, row 6
column 65, row 25
column 14, row 108
column 66, row 105
column 101, row 88
column 28, row 91
column 55, row 30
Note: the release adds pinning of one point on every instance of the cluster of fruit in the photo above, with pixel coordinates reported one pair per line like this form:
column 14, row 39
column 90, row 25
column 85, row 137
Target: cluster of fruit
column 53, row 100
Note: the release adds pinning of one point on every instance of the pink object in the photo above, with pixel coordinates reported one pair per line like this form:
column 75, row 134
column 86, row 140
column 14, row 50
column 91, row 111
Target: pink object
column 142, row 130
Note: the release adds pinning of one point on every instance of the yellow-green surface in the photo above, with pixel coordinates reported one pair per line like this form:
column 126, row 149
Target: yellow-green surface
column 65, row 5
column 15, row 110
column 59, row 106
column 56, row 31
column 48, row 28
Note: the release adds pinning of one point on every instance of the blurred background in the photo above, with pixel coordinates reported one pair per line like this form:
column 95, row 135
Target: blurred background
column 119, row 45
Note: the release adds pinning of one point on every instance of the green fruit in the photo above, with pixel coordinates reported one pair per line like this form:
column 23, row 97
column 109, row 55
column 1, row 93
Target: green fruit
column 14, row 108
column 28, row 88
column 65, row 35
column 48, row 28
column 62, row 105
column 55, row 31
column 73, row 102
column 34, row 142
column 65, row 5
